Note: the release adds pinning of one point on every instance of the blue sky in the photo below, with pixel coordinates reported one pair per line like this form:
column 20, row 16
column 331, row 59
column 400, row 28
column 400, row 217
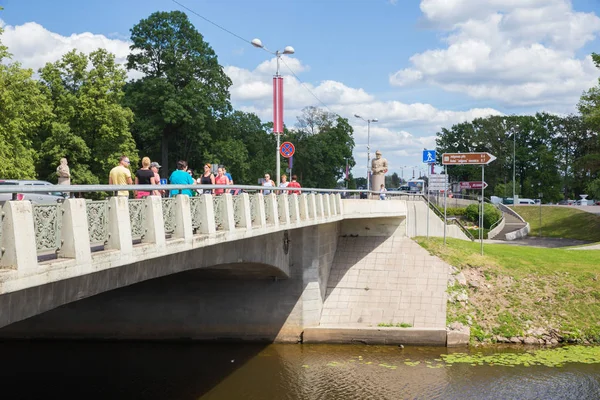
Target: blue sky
column 415, row 65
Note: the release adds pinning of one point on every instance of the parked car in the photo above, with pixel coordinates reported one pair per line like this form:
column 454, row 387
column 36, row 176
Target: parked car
column 45, row 196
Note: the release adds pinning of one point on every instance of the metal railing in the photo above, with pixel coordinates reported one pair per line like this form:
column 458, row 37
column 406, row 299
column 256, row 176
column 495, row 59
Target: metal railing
column 454, row 220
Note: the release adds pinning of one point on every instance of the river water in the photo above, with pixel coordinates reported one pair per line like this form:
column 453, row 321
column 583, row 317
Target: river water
column 108, row 370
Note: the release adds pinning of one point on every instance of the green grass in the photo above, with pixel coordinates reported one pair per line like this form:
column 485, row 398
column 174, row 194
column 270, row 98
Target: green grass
column 561, row 222
column 392, row 325
column 524, row 287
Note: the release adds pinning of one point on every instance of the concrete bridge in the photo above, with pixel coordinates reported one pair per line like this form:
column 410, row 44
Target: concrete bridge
column 250, row 267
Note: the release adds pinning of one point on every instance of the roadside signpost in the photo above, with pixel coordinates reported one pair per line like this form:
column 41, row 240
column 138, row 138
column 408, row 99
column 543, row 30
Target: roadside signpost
column 467, row 158
column 473, row 185
column 482, row 159
column 287, row 149
column 429, row 159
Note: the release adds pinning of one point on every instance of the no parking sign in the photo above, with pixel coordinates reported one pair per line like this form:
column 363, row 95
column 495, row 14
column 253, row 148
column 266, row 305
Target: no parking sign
column 287, row 149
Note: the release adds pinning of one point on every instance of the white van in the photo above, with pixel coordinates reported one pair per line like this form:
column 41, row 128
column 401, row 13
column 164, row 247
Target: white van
column 526, row 201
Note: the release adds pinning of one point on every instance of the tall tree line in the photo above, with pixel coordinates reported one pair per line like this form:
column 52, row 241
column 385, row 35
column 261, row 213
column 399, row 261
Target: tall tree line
column 83, row 108
column 545, row 153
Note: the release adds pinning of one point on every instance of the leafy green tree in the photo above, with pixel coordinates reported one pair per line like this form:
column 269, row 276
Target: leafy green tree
column 23, row 110
column 589, row 107
column 90, row 126
column 395, row 180
column 244, row 146
column 182, row 93
column 323, row 142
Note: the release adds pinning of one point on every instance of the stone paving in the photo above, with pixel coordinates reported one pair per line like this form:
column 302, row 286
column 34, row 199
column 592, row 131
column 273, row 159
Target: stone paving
column 385, row 280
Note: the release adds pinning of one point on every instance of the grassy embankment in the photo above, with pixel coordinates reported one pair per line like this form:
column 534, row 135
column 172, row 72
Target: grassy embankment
column 516, row 289
column 561, row 222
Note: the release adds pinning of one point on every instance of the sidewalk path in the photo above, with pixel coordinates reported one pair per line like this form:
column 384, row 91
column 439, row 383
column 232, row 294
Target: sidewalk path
column 549, row 243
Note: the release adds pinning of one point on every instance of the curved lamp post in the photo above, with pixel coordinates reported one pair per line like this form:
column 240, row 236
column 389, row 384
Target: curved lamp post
column 277, row 101
column 368, row 121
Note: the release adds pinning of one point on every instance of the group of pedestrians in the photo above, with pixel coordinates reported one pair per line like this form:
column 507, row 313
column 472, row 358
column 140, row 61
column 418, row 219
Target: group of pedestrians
column 148, row 175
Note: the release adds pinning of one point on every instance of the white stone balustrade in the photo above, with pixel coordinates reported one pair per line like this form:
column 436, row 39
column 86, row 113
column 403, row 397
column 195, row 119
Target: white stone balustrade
column 187, row 223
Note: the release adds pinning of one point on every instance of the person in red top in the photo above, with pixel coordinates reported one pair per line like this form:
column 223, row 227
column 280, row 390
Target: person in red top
column 294, row 184
column 220, row 179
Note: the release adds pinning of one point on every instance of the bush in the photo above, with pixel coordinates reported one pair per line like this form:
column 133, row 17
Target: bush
column 456, row 211
column 491, row 214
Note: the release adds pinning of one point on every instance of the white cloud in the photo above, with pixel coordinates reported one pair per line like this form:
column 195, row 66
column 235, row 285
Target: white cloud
column 33, row 45
column 402, row 132
column 521, row 52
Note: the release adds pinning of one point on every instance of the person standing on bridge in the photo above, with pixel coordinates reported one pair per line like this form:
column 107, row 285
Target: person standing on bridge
column 207, row 178
column 181, row 177
column 294, row 184
column 267, row 182
column 220, row 179
column 382, row 191
column 121, row 175
column 144, row 176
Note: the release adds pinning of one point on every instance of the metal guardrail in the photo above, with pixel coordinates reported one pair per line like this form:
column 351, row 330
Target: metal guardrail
column 440, row 214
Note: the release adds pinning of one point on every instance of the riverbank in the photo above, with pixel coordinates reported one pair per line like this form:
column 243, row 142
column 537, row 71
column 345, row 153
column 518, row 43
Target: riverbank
column 516, row 294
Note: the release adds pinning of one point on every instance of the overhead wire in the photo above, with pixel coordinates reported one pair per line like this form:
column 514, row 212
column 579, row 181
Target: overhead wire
column 250, row 42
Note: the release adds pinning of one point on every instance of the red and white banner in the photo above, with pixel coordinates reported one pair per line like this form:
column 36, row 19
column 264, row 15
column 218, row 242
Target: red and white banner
column 278, row 104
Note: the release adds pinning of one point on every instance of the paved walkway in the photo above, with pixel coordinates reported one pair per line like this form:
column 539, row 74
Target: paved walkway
column 385, row 280
column 533, row 241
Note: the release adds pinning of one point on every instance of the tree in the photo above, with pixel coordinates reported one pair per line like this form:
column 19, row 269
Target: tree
column 3, row 49
column 183, row 92
column 395, row 180
column 323, row 142
column 589, row 107
column 24, row 108
column 90, row 126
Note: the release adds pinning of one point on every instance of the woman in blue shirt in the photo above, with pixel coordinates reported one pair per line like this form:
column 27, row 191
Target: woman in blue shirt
column 181, row 177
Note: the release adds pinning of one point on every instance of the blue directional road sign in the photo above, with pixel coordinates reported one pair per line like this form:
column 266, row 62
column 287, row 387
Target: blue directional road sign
column 429, row 156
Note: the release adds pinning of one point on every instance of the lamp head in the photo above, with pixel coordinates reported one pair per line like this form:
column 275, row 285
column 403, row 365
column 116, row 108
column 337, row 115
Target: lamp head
column 288, row 50
column 357, row 116
column 374, row 120
column 257, row 43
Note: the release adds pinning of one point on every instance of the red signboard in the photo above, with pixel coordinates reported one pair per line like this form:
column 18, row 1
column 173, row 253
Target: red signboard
column 287, row 149
column 473, row 185
column 278, row 104
column 467, row 158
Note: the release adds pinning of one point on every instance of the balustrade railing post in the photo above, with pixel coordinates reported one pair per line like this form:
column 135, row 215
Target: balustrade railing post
column 154, row 224
column 313, row 212
column 242, row 211
column 183, row 218
column 320, row 207
column 271, row 212
column 19, row 249
column 339, row 203
column 303, row 206
column 227, row 217
column 75, row 231
column 258, row 211
column 294, row 207
column 332, row 204
column 119, row 225
column 326, row 206
column 207, row 214
column 283, row 208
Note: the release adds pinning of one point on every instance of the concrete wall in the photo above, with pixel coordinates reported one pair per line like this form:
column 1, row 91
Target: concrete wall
column 246, row 290
column 417, row 212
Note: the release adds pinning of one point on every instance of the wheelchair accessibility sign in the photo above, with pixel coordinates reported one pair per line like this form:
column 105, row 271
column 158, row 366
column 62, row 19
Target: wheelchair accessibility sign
column 429, row 156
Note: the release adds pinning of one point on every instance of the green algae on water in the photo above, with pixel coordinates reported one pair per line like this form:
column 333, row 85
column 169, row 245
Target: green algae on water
column 547, row 357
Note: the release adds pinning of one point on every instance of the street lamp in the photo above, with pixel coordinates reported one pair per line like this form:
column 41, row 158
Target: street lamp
column 277, row 101
column 514, row 164
column 368, row 121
